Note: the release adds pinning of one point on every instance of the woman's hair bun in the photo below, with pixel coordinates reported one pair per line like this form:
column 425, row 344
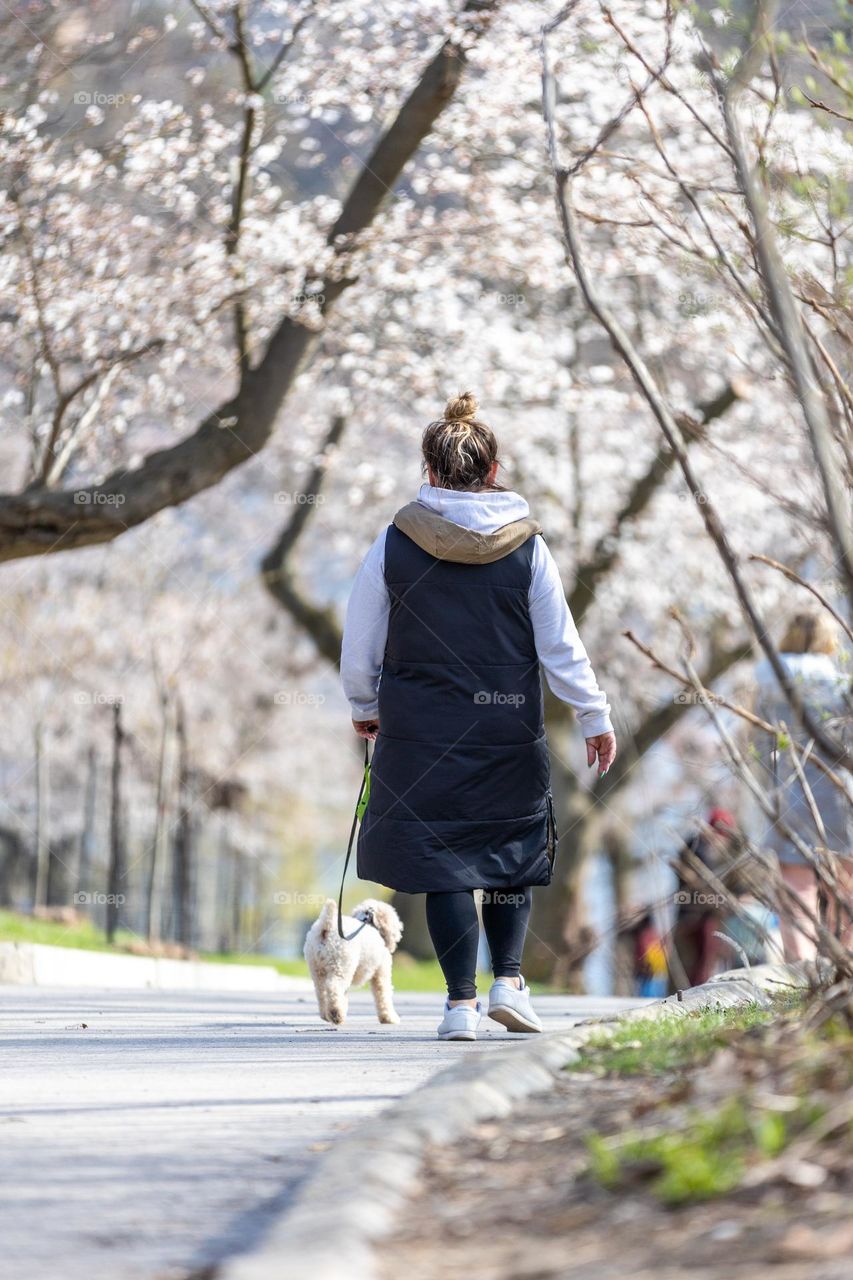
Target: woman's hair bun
column 461, row 408
column 460, row 452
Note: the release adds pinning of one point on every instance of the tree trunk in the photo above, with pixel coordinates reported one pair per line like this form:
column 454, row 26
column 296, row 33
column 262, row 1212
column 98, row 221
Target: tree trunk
column 558, row 933
column 182, row 846
column 87, row 832
column 236, row 900
column 41, row 833
column 159, row 846
column 557, row 918
column 116, row 867
column 223, row 922
column 411, row 908
column 618, row 856
column 258, row 916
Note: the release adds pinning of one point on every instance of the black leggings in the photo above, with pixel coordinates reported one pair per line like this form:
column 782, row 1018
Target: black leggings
column 455, row 932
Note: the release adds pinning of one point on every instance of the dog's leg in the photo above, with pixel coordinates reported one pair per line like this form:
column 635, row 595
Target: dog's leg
column 322, row 1003
column 336, row 1005
column 319, row 980
column 383, row 994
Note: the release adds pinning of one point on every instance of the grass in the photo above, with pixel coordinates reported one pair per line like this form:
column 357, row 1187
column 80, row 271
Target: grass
column 698, row 1162
column 409, row 974
column 651, row 1046
column 707, row 1155
column 699, row 1154
column 82, row 935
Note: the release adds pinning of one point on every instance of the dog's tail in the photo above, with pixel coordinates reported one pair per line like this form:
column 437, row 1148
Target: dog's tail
column 326, row 918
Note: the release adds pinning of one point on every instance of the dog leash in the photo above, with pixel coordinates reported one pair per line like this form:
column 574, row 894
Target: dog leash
column 360, row 806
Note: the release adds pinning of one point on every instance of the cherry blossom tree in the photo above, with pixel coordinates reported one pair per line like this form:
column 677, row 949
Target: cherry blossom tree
column 135, row 246
column 206, row 210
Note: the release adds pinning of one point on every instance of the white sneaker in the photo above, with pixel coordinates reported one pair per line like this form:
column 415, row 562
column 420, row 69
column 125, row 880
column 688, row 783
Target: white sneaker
column 511, row 1007
column 460, row 1022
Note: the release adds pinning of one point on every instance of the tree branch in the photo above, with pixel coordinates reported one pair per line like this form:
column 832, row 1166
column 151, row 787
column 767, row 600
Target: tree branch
column 786, row 316
column 606, row 550
column 54, row 460
column 658, row 723
column 319, row 621
column 34, row 523
column 807, row 586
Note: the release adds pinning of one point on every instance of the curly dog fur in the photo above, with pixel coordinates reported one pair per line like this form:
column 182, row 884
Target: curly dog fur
column 337, row 965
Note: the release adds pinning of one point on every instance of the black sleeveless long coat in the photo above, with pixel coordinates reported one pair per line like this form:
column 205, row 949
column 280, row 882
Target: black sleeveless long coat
column 460, row 792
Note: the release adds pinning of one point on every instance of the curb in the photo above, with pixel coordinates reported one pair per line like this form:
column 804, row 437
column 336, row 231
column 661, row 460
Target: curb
column 351, row 1200
column 37, row 965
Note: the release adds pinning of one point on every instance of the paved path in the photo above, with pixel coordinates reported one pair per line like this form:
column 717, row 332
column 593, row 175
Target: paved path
column 164, row 1134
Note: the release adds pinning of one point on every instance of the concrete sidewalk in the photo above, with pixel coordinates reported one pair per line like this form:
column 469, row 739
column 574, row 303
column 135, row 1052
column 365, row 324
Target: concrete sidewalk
column 34, row 964
column 167, row 1133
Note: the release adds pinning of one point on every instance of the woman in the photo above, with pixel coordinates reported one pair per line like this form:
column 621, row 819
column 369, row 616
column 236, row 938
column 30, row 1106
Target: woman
column 807, row 651
column 456, row 606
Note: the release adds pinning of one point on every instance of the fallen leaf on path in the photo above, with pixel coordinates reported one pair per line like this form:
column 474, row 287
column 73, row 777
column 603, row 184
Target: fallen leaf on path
column 803, row 1173
column 803, row 1241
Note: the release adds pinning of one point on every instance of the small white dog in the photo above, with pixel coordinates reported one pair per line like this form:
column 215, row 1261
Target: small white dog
column 336, row 964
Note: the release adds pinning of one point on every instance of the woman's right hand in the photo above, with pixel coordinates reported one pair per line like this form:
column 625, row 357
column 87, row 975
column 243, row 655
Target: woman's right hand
column 366, row 728
column 603, row 748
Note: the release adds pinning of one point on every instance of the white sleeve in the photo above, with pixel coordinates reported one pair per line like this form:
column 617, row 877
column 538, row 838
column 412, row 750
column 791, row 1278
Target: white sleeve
column 365, row 633
column 560, row 649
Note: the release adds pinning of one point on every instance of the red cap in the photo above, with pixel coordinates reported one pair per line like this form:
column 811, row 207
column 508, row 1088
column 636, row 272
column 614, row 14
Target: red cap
column 722, row 820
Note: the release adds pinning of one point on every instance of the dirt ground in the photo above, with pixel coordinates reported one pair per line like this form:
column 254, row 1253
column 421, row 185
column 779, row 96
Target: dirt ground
column 516, row 1201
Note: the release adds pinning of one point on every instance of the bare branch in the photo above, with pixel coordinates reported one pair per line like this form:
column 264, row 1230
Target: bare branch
column 654, row 726
column 105, row 370
column 831, row 747
column 779, row 294
column 807, row 586
column 829, row 944
column 708, row 695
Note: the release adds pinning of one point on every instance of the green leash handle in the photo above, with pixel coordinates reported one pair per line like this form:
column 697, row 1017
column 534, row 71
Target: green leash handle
column 360, row 806
column 364, row 794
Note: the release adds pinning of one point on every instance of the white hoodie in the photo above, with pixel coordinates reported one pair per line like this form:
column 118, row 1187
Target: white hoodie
column 558, row 645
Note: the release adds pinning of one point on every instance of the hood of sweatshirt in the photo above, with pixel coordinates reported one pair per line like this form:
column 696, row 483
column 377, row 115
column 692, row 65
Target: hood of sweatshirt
column 467, row 528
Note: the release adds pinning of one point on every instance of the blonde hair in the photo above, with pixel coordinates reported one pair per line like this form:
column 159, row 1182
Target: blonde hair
column 811, row 631
column 458, row 449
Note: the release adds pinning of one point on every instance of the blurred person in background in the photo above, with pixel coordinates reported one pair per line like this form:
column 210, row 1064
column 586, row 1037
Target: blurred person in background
column 808, row 652
column 650, row 967
column 698, row 909
column 750, row 925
